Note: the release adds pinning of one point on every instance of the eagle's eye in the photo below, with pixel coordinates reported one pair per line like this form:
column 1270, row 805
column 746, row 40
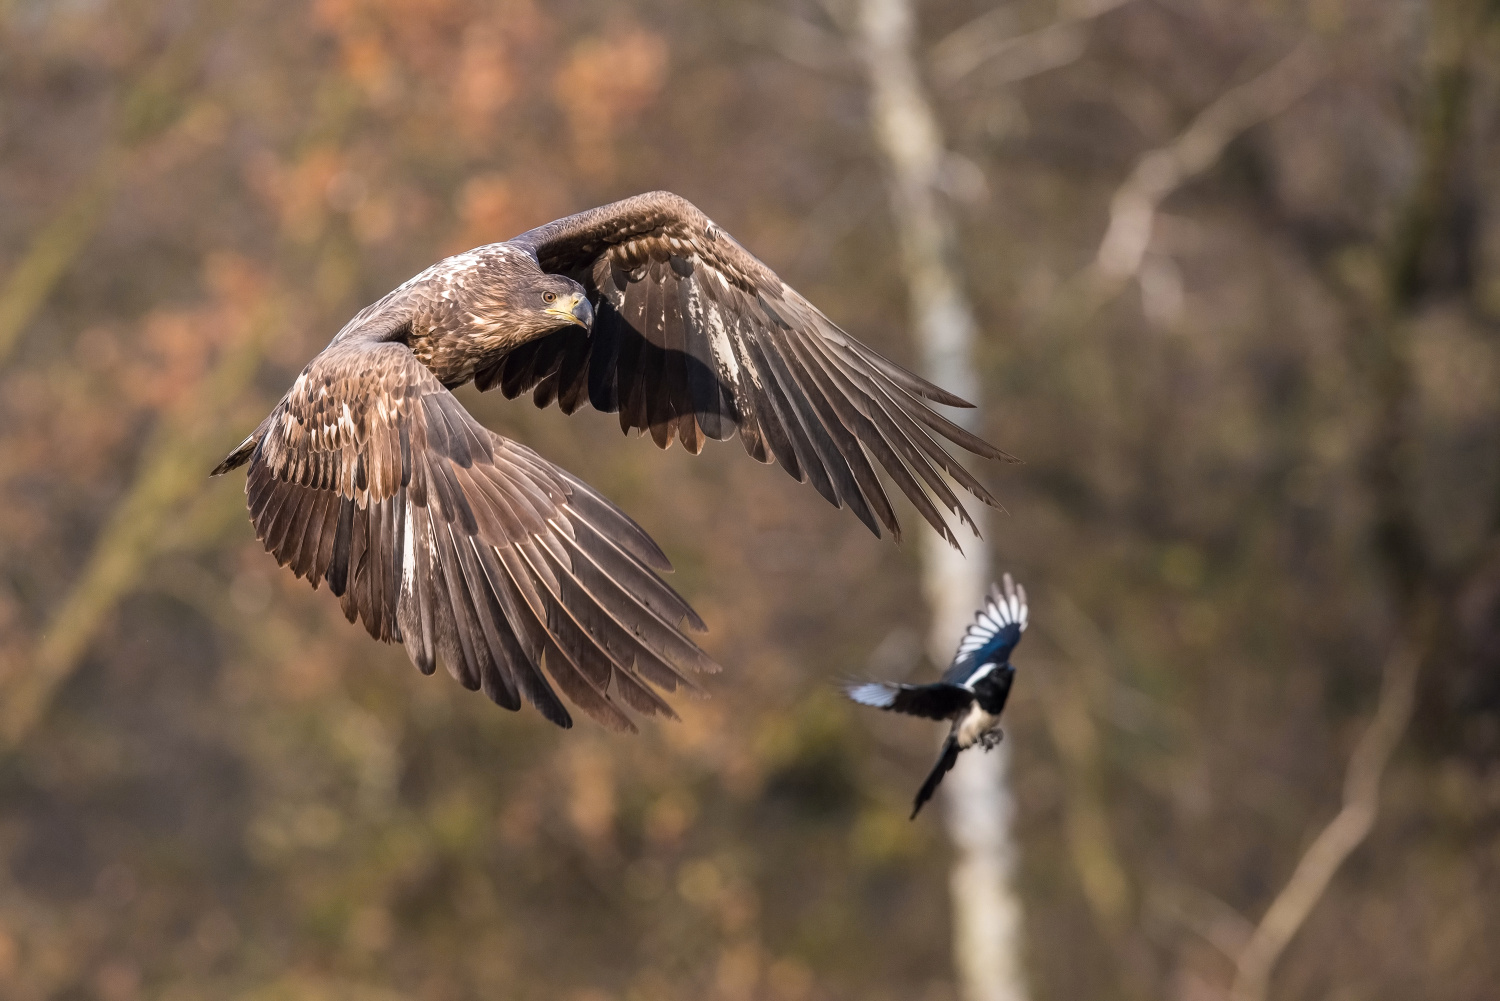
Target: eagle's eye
column 549, row 296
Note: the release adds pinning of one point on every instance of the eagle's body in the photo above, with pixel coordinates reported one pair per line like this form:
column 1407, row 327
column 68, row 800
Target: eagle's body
column 461, row 318
column 972, row 692
column 439, row 534
column 458, row 315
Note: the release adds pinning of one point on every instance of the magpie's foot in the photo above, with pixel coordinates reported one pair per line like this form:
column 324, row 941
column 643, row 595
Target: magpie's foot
column 991, row 740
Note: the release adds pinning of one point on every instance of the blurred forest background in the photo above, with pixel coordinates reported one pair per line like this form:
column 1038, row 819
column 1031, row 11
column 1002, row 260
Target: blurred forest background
column 1235, row 263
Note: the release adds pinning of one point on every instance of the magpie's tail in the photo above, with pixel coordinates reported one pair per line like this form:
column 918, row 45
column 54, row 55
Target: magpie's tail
column 945, row 763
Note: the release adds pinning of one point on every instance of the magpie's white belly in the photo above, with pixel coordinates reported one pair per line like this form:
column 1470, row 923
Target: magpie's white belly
column 974, row 725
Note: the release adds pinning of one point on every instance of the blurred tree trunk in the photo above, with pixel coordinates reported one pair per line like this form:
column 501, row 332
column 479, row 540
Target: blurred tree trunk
column 986, row 913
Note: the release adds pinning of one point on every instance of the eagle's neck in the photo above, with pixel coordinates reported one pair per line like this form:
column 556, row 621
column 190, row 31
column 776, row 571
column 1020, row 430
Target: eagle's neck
column 461, row 318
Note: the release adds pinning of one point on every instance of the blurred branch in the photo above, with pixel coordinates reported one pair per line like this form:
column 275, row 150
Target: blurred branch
column 962, row 49
column 1071, row 700
column 988, row 38
column 149, row 105
column 1208, row 917
column 269, row 635
column 1349, row 828
column 173, row 467
column 53, row 250
column 798, row 41
column 1132, row 211
column 986, row 912
column 834, row 216
column 1070, row 721
column 1066, row 704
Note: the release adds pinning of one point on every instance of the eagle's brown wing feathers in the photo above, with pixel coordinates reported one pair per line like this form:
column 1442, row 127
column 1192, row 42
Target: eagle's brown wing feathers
column 439, row 534
column 694, row 337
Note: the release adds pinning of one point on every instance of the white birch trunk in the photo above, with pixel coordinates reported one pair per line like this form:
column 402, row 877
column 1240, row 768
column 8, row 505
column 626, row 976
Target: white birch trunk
column 986, row 913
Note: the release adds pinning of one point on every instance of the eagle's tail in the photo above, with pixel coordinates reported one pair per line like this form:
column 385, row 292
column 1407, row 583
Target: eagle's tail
column 241, row 453
column 945, row 763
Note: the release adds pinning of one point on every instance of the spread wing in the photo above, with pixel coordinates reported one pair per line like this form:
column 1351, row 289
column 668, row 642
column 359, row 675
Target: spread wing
column 439, row 534
column 938, row 701
column 996, row 630
column 694, row 337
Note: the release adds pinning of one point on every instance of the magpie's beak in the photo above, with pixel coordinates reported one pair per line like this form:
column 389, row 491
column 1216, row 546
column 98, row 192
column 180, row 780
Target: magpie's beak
column 575, row 308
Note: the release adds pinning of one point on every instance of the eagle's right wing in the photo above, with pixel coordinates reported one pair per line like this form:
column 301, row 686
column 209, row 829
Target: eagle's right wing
column 437, row 533
column 695, row 337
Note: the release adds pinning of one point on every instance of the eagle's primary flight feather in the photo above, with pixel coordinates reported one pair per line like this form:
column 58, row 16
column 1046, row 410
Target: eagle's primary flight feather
column 440, row 534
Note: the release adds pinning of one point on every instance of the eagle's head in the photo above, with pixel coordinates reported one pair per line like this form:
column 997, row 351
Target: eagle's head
column 542, row 303
column 471, row 308
column 510, row 300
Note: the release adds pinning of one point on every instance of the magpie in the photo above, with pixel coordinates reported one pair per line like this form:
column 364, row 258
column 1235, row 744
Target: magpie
column 973, row 690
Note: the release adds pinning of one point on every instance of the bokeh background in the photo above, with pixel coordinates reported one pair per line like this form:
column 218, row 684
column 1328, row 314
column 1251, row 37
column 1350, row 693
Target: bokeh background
column 1254, row 467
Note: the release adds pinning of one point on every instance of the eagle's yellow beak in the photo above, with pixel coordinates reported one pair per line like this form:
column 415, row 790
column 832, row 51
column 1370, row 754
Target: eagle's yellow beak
column 575, row 308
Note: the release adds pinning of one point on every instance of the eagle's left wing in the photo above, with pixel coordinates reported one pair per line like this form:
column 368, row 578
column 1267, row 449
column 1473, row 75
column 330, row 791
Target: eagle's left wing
column 695, row 337
column 444, row 536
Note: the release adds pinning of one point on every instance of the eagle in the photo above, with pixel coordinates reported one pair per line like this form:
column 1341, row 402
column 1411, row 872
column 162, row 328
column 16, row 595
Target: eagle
column 972, row 692
column 460, row 544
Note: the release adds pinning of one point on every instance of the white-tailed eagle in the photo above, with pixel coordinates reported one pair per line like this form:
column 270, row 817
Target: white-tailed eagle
column 440, row 534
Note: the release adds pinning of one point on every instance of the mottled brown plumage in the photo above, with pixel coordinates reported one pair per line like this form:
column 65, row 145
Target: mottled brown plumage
column 439, row 534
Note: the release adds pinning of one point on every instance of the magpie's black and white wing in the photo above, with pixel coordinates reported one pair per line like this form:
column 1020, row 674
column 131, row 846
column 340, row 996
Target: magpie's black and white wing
column 937, row 701
column 695, row 337
column 441, row 535
column 996, row 630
